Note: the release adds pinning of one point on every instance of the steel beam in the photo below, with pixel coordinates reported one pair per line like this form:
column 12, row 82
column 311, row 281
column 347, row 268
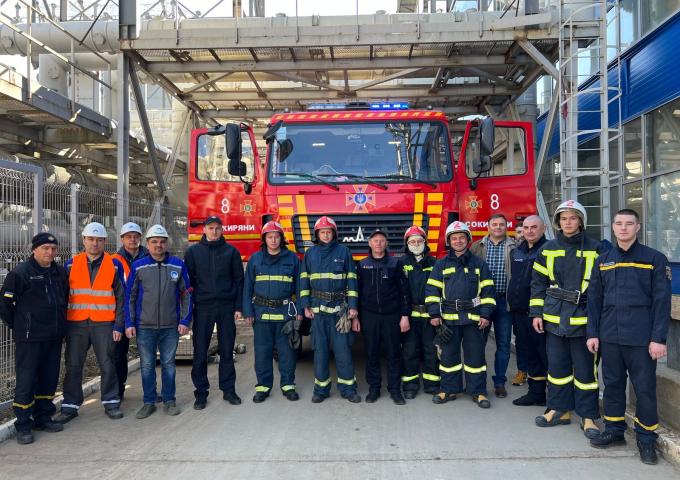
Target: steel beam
column 146, row 126
column 539, row 58
column 170, row 167
column 123, row 148
column 239, row 114
column 309, row 94
column 542, row 158
column 386, row 78
column 398, row 63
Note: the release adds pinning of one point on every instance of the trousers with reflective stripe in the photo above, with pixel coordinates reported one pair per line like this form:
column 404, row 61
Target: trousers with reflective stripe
column 37, row 374
column 619, row 362
column 267, row 336
column 417, row 348
column 324, row 337
column 572, row 376
column 451, row 365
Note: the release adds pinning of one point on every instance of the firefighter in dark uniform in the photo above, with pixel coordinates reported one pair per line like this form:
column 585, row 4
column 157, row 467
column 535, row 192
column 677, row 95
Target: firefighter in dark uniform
column 629, row 305
column 268, row 305
column 385, row 303
column 460, row 299
column 329, row 296
column 562, row 272
column 33, row 304
column 417, row 342
column 519, row 293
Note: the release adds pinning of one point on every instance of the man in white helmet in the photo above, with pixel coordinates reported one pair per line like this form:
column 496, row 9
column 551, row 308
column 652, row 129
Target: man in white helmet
column 559, row 289
column 132, row 249
column 157, row 311
column 95, row 318
column 460, row 300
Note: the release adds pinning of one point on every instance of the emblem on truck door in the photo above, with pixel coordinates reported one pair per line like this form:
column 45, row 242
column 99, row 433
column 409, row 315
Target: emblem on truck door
column 473, row 204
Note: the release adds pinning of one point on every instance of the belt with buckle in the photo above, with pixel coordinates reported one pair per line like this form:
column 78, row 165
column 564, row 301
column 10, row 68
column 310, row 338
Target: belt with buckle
column 419, row 308
column 328, row 296
column 270, row 302
column 461, row 304
column 572, row 296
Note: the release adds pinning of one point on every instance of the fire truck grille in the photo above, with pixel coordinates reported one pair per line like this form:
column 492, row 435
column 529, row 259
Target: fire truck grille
column 353, row 230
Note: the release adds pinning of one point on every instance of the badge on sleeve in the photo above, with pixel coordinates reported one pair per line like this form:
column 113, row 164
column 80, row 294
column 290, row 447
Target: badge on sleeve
column 669, row 273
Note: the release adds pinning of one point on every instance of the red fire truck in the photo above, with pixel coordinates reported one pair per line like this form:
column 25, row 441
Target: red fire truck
column 368, row 166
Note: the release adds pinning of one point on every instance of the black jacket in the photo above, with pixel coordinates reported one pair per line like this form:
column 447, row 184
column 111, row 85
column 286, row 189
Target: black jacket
column 215, row 273
column 567, row 263
column 629, row 297
column 33, row 301
column 417, row 273
column 521, row 267
column 382, row 286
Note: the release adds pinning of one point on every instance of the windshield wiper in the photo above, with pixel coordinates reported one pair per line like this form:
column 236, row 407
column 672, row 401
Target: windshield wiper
column 399, row 176
column 310, row 176
column 356, row 177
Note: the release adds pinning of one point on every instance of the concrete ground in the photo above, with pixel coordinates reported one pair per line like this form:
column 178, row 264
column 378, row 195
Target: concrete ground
column 336, row 439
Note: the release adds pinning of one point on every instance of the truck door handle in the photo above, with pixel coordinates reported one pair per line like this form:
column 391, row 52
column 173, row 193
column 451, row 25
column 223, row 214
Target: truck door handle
column 310, row 191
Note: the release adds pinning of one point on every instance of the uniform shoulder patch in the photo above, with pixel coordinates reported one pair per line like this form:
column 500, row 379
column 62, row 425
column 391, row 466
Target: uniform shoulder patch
column 669, row 273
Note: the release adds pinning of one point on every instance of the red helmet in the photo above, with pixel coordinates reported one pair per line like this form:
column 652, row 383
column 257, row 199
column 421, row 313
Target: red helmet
column 325, row 222
column 273, row 226
column 414, row 230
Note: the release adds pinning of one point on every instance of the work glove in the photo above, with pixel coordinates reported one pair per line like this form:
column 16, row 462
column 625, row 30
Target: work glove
column 292, row 330
column 344, row 323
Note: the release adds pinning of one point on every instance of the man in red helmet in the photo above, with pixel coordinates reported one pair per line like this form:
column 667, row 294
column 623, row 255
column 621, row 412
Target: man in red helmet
column 270, row 283
column 329, row 296
column 417, row 342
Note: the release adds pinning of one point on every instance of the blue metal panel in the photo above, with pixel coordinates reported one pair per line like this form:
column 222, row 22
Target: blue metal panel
column 650, row 77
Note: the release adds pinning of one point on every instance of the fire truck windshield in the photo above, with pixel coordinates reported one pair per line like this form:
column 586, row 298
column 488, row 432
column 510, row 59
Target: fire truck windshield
column 403, row 152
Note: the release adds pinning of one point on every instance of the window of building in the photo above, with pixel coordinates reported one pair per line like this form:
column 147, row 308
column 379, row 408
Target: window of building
column 632, row 149
column 654, row 12
column 663, row 211
column 663, row 137
column 632, row 197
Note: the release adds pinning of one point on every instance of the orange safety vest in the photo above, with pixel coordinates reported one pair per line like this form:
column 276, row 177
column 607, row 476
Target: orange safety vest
column 121, row 259
column 95, row 301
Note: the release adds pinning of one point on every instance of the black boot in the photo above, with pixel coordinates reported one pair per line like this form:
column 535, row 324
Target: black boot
column 25, row 437
column 528, row 400
column 373, row 396
column 48, row 426
column 608, row 439
column 200, row 402
column 260, row 397
column 647, row 452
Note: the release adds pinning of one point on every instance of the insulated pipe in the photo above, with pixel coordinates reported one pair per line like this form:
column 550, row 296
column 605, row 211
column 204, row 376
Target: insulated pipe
column 52, row 74
column 103, row 38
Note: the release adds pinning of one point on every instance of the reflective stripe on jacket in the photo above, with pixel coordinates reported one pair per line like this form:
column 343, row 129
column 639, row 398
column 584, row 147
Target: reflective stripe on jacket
column 567, row 263
column 96, row 300
column 460, row 278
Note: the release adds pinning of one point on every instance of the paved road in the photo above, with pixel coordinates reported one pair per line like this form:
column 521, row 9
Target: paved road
column 336, row 439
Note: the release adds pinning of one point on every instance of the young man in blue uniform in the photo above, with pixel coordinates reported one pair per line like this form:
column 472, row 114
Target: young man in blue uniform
column 629, row 305
column 460, row 300
column 268, row 305
column 329, row 296
column 560, row 280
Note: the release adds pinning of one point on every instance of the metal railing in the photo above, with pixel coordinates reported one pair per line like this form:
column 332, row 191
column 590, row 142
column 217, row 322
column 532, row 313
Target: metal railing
column 65, row 209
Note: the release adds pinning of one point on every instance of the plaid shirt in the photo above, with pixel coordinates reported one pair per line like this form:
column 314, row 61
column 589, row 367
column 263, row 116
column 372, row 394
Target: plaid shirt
column 496, row 262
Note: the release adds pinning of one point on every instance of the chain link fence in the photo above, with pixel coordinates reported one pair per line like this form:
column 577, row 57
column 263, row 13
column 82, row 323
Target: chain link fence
column 66, row 209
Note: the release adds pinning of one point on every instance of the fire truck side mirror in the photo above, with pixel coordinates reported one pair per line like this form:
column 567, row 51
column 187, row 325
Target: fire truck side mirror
column 486, row 139
column 235, row 166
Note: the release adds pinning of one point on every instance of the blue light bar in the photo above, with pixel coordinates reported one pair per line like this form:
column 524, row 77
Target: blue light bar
column 358, row 106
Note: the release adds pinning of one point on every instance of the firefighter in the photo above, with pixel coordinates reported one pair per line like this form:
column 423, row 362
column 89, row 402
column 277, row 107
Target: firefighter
column 95, row 318
column 629, row 304
column 417, row 341
column 33, row 303
column 385, row 304
column 268, row 305
column 527, row 340
column 131, row 238
column 559, row 286
column 328, row 294
column 460, row 300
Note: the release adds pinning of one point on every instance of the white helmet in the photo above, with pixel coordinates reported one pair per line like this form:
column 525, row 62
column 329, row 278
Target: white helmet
column 458, row 227
column 156, row 231
column 130, row 227
column 570, row 205
column 94, row 229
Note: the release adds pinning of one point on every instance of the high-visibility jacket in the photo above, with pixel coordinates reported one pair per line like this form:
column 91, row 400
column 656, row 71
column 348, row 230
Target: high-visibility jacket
column 274, row 277
column 567, row 263
column 460, row 278
column 417, row 273
column 126, row 267
column 91, row 300
column 126, row 259
column 328, row 267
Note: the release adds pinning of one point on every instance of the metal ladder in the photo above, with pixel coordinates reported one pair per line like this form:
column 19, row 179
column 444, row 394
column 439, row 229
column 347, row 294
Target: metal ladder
column 583, row 38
